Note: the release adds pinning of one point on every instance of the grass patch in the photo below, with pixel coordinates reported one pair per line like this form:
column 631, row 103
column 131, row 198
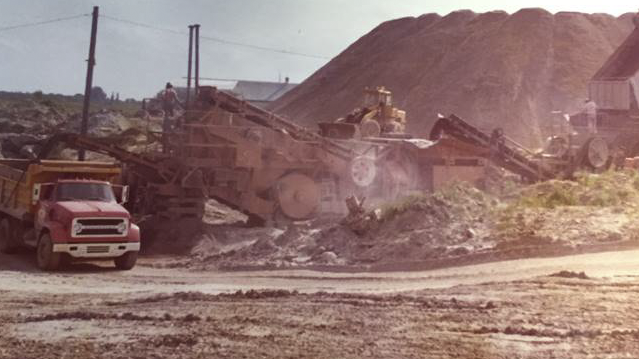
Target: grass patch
column 611, row 188
column 614, row 189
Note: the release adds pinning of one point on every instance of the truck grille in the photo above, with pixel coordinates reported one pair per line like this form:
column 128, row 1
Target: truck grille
column 100, row 221
column 98, row 232
column 98, row 227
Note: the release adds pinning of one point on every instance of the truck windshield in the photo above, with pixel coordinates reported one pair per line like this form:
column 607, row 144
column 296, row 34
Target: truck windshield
column 84, row 192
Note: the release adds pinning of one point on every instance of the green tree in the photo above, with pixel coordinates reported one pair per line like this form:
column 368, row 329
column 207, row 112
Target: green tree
column 98, row 94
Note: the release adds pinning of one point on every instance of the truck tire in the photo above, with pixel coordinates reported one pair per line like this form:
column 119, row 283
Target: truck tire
column 8, row 244
column 47, row 259
column 126, row 261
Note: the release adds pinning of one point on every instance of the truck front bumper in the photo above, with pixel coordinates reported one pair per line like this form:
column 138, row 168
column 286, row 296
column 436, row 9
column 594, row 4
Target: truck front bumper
column 96, row 250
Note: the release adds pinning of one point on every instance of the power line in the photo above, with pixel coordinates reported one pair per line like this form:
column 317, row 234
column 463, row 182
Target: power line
column 215, row 39
column 31, row 24
column 217, row 79
column 263, row 48
column 139, row 24
column 176, row 32
column 229, row 80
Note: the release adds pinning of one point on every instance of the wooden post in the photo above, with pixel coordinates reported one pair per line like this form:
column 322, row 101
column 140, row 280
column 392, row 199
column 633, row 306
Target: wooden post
column 89, row 80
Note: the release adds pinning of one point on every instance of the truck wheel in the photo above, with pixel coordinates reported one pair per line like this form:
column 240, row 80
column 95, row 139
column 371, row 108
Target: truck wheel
column 7, row 242
column 126, row 261
column 47, row 259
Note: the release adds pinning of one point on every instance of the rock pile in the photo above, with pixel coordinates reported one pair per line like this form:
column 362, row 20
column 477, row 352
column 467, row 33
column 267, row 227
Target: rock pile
column 26, row 124
column 421, row 227
column 459, row 224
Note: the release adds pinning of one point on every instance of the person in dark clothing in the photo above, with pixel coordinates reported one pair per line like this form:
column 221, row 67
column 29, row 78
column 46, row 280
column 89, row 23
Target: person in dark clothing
column 169, row 101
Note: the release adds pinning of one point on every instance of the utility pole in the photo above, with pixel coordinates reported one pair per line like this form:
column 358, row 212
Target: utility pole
column 89, row 82
column 197, row 59
column 188, row 76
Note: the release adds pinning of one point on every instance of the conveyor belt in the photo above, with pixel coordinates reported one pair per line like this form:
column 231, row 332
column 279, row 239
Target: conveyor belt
column 150, row 167
column 500, row 152
column 268, row 119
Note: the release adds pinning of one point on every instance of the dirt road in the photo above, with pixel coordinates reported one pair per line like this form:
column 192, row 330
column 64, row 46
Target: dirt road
column 19, row 273
column 498, row 310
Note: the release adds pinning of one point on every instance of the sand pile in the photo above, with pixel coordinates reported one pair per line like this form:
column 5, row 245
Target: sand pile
column 494, row 69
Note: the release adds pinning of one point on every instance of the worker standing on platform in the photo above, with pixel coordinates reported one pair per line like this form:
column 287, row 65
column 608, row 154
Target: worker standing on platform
column 169, row 101
column 590, row 109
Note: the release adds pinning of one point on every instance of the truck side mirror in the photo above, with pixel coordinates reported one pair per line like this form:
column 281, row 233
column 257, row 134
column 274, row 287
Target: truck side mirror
column 35, row 196
column 121, row 193
column 124, row 198
column 41, row 191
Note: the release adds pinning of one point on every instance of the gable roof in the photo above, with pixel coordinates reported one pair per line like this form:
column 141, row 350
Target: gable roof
column 624, row 62
column 262, row 91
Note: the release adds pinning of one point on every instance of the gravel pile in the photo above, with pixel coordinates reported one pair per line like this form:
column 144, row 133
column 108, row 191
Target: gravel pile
column 493, row 68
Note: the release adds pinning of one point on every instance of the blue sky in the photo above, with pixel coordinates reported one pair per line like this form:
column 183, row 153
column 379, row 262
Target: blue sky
column 136, row 61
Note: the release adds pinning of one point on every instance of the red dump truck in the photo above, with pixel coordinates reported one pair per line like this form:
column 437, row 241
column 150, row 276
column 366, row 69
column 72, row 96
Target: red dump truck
column 67, row 210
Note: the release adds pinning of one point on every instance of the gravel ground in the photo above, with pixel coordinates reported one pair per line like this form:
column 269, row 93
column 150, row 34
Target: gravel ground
column 504, row 310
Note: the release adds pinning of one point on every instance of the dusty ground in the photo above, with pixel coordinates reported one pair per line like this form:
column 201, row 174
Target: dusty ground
column 374, row 294
column 512, row 309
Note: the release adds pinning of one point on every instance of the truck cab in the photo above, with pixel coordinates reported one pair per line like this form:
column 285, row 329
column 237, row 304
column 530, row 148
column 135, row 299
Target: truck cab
column 83, row 219
column 68, row 211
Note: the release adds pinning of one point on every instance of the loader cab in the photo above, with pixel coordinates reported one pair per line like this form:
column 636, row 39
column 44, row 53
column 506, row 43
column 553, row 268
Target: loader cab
column 377, row 97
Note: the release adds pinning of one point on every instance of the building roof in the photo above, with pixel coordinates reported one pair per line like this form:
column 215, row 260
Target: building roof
column 624, row 62
column 262, row 91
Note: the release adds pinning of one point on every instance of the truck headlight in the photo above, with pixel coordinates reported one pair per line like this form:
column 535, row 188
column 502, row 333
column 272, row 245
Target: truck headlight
column 122, row 227
column 77, row 228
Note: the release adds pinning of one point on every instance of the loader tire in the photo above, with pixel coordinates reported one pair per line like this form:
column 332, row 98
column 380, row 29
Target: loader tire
column 370, row 128
column 126, row 261
column 47, row 259
column 8, row 243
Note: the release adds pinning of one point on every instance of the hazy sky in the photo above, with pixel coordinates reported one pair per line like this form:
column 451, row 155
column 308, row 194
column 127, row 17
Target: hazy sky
column 136, row 61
